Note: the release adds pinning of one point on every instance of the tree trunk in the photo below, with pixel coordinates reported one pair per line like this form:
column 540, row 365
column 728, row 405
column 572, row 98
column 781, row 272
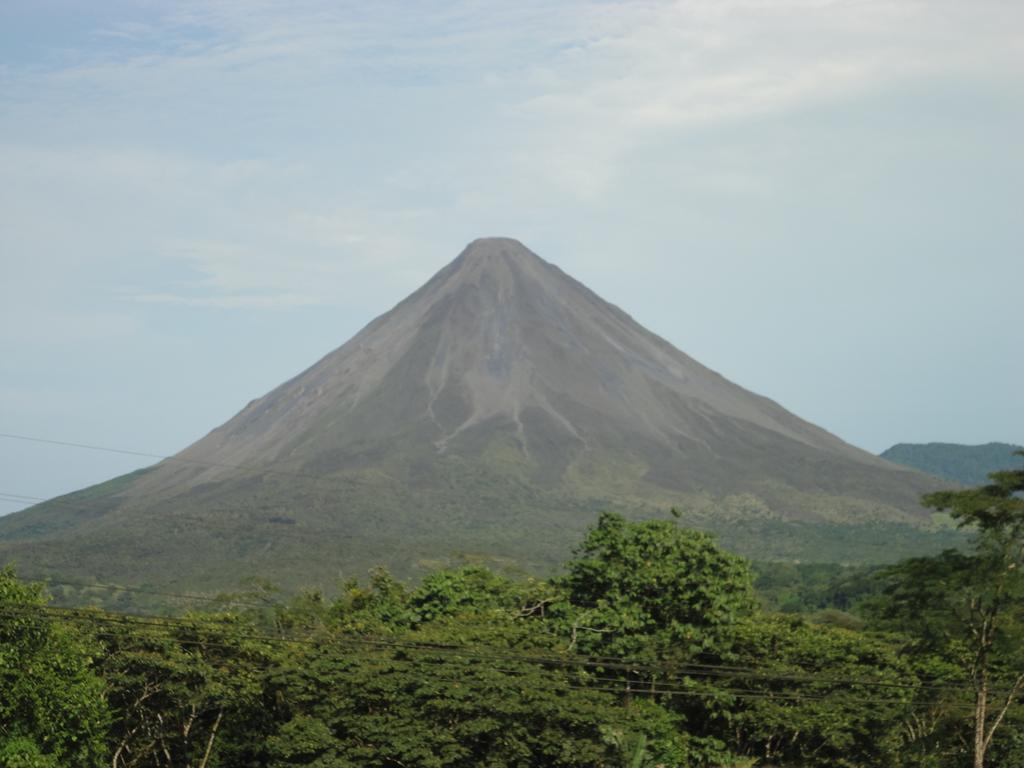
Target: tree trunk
column 980, row 705
column 209, row 742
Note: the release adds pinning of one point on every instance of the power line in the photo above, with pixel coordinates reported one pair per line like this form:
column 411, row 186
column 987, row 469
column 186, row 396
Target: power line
column 221, row 599
column 14, row 498
column 623, row 687
column 177, row 459
column 21, row 499
column 719, row 670
column 67, row 444
column 670, row 672
column 630, row 687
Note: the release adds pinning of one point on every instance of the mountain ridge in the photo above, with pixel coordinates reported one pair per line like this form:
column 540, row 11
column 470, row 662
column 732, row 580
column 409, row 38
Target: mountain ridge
column 965, row 464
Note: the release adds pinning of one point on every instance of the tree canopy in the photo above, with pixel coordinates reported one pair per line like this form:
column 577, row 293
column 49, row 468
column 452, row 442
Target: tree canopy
column 649, row 650
column 52, row 706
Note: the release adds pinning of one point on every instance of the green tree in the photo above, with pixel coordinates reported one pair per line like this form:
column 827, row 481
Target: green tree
column 813, row 695
column 179, row 687
column 471, row 589
column 473, row 686
column 52, row 706
column 968, row 608
column 657, row 598
column 648, row 587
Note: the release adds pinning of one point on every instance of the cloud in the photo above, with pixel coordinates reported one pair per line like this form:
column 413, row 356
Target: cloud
column 648, row 70
column 242, row 301
column 295, row 259
column 255, row 154
column 567, row 92
column 565, row 95
column 31, row 323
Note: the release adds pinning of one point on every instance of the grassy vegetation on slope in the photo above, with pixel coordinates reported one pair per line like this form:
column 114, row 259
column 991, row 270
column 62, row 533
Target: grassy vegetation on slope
column 342, row 528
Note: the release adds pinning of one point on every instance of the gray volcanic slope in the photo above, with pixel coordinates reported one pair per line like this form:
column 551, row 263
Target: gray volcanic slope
column 489, row 414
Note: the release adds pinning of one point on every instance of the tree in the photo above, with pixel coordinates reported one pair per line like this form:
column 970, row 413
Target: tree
column 657, row 598
column 813, row 695
column 52, row 707
column 466, row 677
column 969, row 607
column 179, row 686
column 646, row 587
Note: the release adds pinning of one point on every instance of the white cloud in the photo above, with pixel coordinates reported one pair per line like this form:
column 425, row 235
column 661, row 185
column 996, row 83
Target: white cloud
column 656, row 68
column 33, row 323
column 566, row 92
column 239, row 301
column 268, row 149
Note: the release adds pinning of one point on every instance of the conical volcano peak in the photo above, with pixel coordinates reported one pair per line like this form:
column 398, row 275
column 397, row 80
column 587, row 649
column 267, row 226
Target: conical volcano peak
column 487, row 251
column 493, row 410
column 490, row 247
column 498, row 265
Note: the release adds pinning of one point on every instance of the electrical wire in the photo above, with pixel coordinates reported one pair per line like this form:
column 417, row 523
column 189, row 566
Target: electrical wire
column 611, row 662
column 176, row 459
column 630, row 687
column 671, row 673
column 21, row 499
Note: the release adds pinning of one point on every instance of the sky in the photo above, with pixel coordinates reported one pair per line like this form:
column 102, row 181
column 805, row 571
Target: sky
column 819, row 199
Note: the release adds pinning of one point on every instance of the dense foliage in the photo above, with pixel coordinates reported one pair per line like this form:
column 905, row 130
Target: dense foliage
column 52, row 707
column 650, row 650
column 967, row 609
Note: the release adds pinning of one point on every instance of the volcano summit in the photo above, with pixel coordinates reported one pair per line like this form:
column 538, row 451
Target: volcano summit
column 490, row 415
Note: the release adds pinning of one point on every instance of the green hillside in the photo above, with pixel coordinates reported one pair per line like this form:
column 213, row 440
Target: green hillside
column 965, row 464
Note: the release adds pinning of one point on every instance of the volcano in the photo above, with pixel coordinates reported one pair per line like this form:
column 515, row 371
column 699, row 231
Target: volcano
column 490, row 416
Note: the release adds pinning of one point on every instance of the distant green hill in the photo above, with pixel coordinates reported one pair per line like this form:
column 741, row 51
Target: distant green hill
column 966, row 464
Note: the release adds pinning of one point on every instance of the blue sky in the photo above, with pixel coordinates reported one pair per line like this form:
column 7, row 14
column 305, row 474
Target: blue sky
column 819, row 199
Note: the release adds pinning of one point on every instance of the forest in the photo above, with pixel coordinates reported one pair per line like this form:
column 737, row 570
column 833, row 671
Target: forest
column 653, row 647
